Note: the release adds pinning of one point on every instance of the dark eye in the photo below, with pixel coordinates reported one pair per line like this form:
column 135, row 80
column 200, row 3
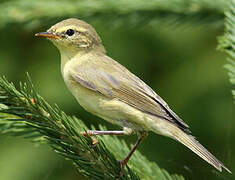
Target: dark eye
column 70, row 32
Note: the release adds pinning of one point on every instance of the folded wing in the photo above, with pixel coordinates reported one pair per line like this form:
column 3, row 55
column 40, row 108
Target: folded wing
column 112, row 80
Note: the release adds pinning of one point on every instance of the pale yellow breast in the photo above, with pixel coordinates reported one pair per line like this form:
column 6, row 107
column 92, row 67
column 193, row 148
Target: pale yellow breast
column 86, row 98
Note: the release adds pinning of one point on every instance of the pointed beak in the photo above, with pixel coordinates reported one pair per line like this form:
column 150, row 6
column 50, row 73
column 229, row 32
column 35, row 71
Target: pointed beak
column 49, row 35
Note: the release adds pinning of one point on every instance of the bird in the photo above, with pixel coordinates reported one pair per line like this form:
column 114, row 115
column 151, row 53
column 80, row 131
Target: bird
column 107, row 89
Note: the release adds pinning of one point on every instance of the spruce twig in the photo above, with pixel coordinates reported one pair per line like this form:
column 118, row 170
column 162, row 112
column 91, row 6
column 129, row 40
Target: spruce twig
column 121, row 12
column 227, row 42
column 25, row 113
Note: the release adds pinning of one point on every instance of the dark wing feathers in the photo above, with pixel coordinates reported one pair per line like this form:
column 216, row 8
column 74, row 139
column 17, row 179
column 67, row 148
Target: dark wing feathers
column 114, row 81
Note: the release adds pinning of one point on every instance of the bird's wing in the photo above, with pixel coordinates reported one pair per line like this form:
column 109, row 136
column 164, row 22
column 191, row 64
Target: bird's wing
column 112, row 80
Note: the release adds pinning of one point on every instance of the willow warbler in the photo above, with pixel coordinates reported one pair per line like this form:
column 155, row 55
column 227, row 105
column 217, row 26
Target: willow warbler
column 105, row 88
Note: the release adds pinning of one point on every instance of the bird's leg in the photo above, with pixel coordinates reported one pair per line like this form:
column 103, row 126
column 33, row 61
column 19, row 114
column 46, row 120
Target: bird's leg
column 126, row 131
column 94, row 132
column 124, row 162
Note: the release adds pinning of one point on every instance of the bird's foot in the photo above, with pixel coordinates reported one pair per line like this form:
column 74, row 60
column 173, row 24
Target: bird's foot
column 123, row 164
column 94, row 140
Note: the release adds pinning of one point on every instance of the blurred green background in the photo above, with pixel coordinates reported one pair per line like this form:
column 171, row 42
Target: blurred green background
column 179, row 62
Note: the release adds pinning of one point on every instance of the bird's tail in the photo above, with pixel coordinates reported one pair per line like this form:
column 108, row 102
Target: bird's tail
column 197, row 148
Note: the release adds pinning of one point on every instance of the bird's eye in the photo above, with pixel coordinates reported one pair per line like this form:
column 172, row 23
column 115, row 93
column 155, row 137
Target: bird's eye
column 70, row 32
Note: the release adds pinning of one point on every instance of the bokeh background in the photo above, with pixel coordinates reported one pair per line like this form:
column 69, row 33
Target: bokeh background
column 177, row 58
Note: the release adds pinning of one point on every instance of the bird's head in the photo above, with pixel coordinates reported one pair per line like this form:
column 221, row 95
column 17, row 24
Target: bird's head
column 73, row 35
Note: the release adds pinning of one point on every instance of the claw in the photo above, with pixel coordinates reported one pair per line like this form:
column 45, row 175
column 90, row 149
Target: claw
column 94, row 141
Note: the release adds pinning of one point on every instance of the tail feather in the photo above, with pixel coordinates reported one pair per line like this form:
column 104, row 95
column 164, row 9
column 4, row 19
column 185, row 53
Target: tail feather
column 190, row 142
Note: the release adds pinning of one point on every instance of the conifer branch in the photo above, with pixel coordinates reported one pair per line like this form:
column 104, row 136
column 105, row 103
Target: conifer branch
column 116, row 13
column 227, row 42
column 25, row 113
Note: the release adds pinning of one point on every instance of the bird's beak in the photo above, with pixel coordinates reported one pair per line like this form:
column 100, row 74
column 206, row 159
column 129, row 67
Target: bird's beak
column 49, row 35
